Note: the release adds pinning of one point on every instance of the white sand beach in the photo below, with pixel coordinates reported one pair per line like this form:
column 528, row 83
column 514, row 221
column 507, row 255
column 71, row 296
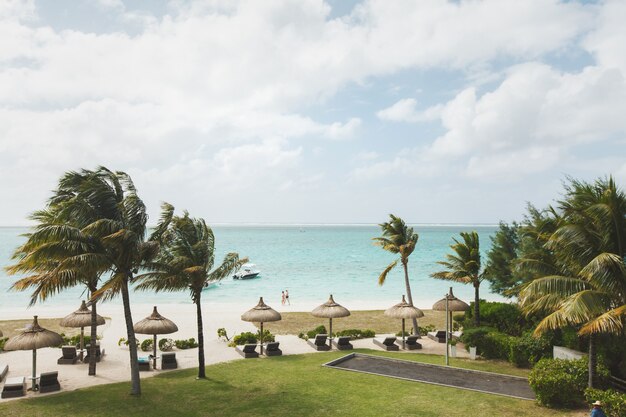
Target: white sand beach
column 114, row 367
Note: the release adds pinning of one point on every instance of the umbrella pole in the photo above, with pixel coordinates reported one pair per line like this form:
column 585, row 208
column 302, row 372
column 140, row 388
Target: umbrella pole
column 155, row 346
column 447, row 334
column 330, row 334
column 34, row 378
column 403, row 346
column 82, row 342
column 261, row 338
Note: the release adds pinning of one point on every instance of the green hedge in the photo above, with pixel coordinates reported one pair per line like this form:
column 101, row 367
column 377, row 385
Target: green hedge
column 527, row 350
column 146, row 345
column 562, row 383
column 613, row 402
column 249, row 338
column 490, row 344
column 186, row 343
column 506, row 318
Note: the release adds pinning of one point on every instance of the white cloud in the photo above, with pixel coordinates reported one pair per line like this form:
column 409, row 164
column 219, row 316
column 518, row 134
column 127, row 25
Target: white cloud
column 405, row 110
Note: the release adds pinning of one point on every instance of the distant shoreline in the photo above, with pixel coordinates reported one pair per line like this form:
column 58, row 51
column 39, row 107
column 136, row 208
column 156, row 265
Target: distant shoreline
column 244, row 224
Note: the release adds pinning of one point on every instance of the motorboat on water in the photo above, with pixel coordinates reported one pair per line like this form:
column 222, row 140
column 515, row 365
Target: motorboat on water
column 247, row 271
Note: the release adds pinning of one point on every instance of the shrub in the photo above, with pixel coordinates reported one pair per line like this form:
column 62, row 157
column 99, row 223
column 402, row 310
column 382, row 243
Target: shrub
column 490, row 344
column 125, row 342
column 613, row 402
column 506, row 318
column 423, row 331
column 186, row 343
column 318, row 330
column 357, row 333
column 165, row 345
column 3, row 340
column 244, row 338
column 146, row 345
column 527, row 350
column 560, row 382
column 221, row 333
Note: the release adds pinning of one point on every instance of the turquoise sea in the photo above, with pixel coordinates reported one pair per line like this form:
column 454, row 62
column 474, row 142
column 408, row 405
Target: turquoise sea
column 309, row 261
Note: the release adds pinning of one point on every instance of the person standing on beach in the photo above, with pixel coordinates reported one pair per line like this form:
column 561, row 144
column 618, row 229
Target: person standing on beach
column 597, row 410
column 282, row 298
column 287, row 297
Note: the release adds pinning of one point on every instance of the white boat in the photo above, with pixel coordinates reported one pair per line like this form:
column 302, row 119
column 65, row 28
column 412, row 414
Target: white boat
column 247, row 271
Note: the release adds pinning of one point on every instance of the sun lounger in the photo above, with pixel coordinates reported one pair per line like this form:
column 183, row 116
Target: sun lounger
column 388, row 343
column 4, row 369
column 14, row 387
column 272, row 349
column 168, row 360
column 319, row 343
column 144, row 363
column 412, row 343
column 99, row 353
column 343, row 343
column 69, row 356
column 247, row 351
column 438, row 336
column 49, row 382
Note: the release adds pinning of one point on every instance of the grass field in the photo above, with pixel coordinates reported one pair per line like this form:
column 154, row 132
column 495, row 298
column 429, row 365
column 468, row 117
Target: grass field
column 284, row 386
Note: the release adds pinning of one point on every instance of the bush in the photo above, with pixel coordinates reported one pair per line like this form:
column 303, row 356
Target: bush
column 506, row 318
column 423, row 331
column 318, row 330
column 186, row 343
column 613, row 402
column 560, row 382
column 357, row 333
column 244, row 338
column 490, row 344
column 527, row 350
column 125, row 342
column 3, row 340
column 146, row 345
column 165, row 345
column 221, row 333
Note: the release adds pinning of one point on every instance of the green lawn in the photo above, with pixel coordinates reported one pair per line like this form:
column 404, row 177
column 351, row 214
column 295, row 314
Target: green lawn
column 283, row 386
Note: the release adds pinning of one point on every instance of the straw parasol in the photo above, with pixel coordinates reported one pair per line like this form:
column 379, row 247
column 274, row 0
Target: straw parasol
column 330, row 310
column 449, row 303
column 155, row 324
column 1, row 333
column 404, row 310
column 33, row 338
column 261, row 313
column 81, row 318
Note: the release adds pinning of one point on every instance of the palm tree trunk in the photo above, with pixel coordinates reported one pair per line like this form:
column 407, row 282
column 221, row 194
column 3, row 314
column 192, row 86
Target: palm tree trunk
column 593, row 361
column 93, row 337
column 408, row 292
column 477, row 303
column 201, row 369
column 132, row 341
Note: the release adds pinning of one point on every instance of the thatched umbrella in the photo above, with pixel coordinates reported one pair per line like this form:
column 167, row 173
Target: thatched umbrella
column 330, row 310
column 81, row 318
column 33, row 338
column 261, row 313
column 155, row 324
column 1, row 333
column 449, row 303
column 404, row 310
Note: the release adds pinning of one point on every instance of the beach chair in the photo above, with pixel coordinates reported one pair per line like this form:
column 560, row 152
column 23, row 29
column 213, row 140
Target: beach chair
column 49, row 382
column 438, row 336
column 247, row 351
column 412, row 343
column 144, row 363
column 99, row 353
column 388, row 343
column 70, row 357
column 14, row 387
column 168, row 360
column 343, row 343
column 4, row 370
column 271, row 349
column 319, row 343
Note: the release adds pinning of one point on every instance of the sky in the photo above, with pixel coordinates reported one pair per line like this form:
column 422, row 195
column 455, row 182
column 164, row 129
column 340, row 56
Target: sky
column 311, row 111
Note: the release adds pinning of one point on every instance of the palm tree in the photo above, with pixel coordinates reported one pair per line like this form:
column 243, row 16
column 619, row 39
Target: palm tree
column 113, row 218
column 400, row 239
column 590, row 246
column 464, row 266
column 185, row 262
column 44, row 256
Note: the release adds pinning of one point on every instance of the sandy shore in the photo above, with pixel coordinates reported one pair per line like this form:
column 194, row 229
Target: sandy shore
column 115, row 367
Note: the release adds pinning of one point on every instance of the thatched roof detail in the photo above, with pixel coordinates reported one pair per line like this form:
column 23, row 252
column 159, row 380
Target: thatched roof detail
column 261, row 313
column 330, row 310
column 33, row 337
column 81, row 318
column 404, row 310
column 155, row 324
column 454, row 304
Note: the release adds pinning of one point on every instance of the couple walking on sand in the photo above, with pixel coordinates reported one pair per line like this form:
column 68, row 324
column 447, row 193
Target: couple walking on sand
column 285, row 298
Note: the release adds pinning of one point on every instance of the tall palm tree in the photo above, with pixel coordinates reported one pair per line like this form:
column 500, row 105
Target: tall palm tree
column 400, row 239
column 113, row 218
column 45, row 254
column 185, row 263
column 464, row 266
column 590, row 245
